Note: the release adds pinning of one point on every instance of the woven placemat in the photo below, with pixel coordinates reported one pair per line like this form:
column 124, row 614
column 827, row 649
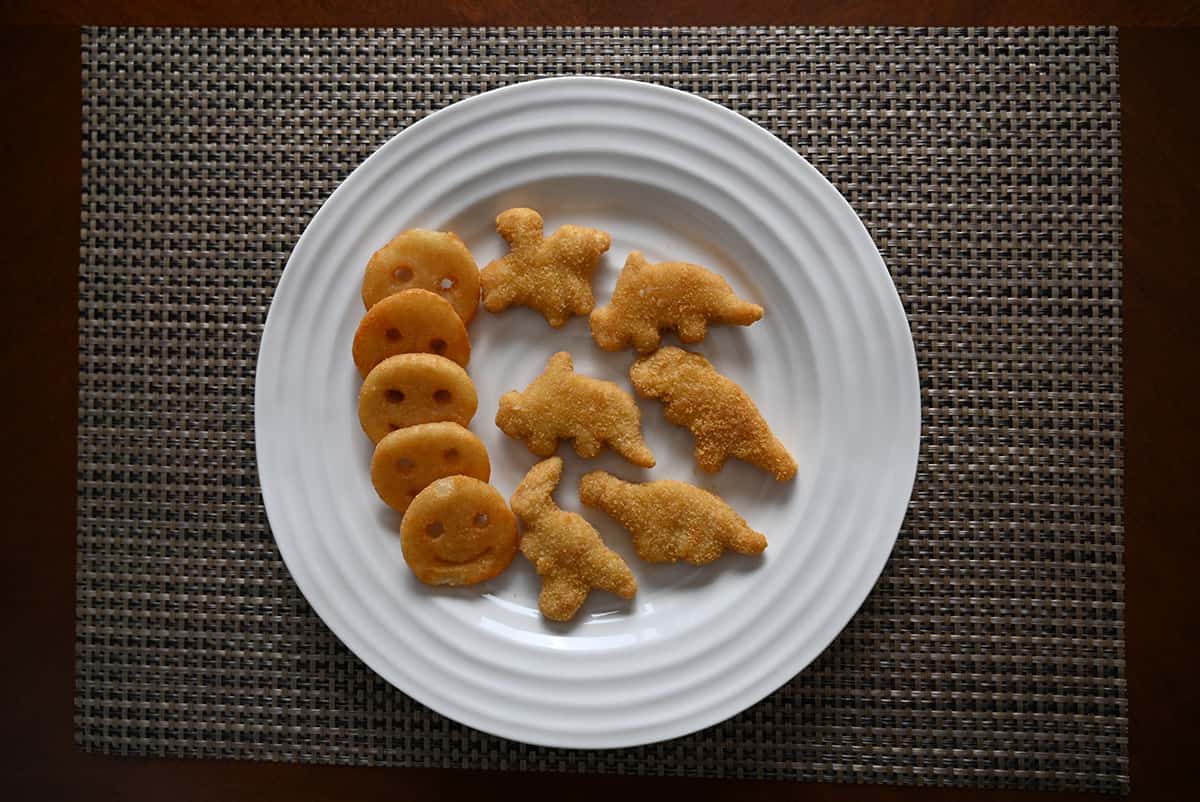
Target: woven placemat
column 986, row 165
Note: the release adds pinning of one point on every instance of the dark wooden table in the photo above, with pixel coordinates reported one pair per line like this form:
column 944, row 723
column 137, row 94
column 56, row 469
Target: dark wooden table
column 40, row 102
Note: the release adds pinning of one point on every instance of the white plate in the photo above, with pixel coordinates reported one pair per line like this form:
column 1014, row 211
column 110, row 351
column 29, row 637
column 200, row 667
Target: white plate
column 831, row 365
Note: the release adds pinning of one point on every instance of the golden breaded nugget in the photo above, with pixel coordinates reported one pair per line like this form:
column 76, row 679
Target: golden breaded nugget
column 561, row 404
column 413, row 321
column 408, row 459
column 553, row 276
column 437, row 261
column 723, row 419
column 458, row 531
column 652, row 298
column 408, row 389
column 670, row 520
column 564, row 548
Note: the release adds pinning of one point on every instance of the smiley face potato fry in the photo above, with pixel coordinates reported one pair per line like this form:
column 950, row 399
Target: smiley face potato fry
column 413, row 321
column 436, row 261
column 408, row 389
column 458, row 531
column 408, row 460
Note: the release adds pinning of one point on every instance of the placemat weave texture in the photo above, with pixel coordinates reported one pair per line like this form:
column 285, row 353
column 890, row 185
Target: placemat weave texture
column 986, row 165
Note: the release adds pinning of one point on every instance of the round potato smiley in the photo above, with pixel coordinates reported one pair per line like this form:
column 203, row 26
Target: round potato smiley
column 409, row 459
column 437, row 261
column 408, row 389
column 458, row 531
column 413, row 321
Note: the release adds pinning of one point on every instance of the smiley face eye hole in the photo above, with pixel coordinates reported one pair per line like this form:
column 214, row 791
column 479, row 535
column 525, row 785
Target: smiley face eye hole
column 437, row 345
column 450, row 455
column 394, row 396
column 480, row 520
column 404, row 465
column 446, row 283
column 434, row 529
column 403, row 274
column 392, row 334
column 442, row 396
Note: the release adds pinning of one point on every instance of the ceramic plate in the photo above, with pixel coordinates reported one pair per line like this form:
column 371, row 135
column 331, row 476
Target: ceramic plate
column 831, row 365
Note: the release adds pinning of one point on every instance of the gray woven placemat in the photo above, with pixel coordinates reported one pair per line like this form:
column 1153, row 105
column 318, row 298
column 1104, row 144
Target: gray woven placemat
column 986, row 165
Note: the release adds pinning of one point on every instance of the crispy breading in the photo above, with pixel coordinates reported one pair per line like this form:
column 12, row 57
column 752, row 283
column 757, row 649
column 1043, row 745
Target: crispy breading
column 552, row 275
column 721, row 417
column 564, row 548
column 563, row 405
column 652, row 298
column 670, row 520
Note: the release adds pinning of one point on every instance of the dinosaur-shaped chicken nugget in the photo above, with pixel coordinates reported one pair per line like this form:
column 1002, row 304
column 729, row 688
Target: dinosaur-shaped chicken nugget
column 722, row 418
column 564, row 548
column 553, row 276
column 670, row 520
column 561, row 404
column 652, row 298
